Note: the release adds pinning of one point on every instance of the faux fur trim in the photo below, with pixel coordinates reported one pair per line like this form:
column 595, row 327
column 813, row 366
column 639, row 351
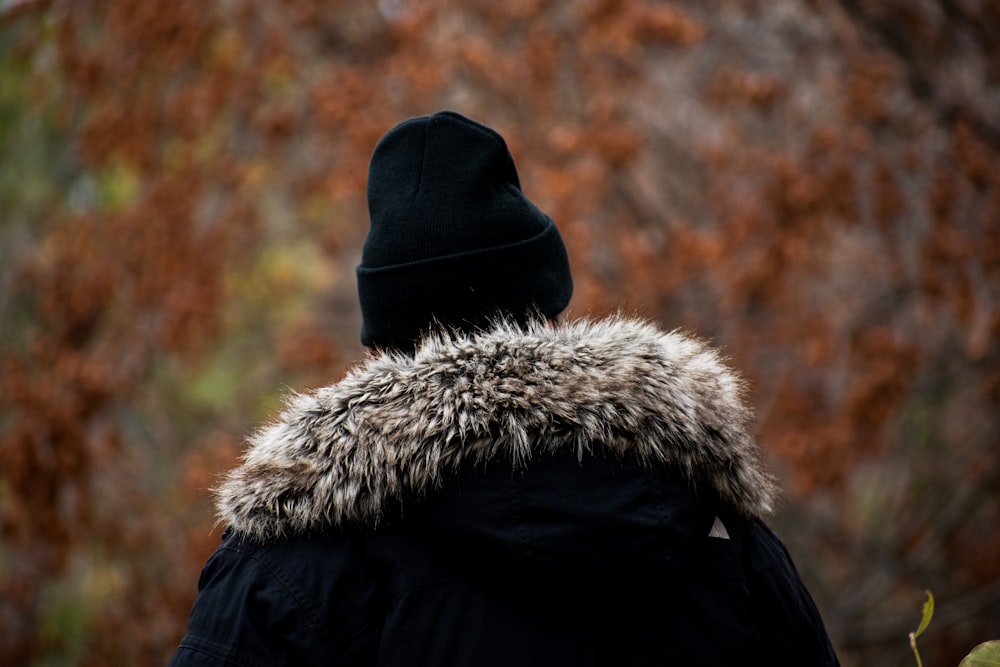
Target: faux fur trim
column 396, row 425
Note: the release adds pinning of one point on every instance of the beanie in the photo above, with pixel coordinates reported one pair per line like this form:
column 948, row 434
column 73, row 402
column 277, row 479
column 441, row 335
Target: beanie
column 453, row 240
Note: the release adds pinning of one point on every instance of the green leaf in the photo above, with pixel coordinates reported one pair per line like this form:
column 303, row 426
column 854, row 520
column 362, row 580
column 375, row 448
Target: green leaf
column 118, row 187
column 986, row 654
column 928, row 613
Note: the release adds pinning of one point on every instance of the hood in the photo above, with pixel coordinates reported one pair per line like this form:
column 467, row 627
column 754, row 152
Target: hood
column 397, row 426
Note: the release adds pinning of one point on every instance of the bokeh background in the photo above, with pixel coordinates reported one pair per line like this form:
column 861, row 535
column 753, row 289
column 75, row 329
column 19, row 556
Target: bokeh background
column 813, row 186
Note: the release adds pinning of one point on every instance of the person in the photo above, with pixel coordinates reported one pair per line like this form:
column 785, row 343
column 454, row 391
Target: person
column 494, row 485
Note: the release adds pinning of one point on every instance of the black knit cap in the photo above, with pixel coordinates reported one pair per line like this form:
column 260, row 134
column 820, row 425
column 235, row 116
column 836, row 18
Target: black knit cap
column 453, row 239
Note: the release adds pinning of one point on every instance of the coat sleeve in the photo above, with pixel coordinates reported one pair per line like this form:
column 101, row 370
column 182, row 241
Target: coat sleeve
column 303, row 601
column 787, row 619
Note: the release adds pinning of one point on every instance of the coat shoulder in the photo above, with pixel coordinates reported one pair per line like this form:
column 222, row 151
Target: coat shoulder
column 282, row 602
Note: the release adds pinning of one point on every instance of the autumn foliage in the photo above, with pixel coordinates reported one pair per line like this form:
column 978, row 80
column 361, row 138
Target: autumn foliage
column 813, row 186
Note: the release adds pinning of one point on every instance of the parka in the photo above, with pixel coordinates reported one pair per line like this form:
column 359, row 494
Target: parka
column 584, row 493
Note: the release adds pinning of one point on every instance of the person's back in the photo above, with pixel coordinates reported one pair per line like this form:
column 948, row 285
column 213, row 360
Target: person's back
column 501, row 489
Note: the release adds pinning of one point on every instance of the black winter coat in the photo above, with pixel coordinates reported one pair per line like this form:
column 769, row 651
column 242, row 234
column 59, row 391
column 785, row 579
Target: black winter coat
column 587, row 494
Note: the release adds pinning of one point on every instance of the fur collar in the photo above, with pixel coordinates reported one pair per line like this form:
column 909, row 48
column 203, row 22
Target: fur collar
column 397, row 425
